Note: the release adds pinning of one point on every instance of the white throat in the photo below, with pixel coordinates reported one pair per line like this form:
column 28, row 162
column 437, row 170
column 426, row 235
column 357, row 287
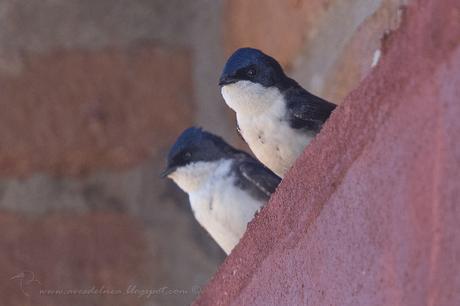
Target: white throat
column 220, row 206
column 193, row 176
column 261, row 115
column 248, row 98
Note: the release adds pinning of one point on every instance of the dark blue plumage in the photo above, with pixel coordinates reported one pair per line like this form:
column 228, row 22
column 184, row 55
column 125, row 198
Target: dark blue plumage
column 197, row 145
column 305, row 110
column 194, row 144
column 252, row 65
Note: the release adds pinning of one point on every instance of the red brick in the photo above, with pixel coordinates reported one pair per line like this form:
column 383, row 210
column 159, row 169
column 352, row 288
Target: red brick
column 103, row 250
column 73, row 111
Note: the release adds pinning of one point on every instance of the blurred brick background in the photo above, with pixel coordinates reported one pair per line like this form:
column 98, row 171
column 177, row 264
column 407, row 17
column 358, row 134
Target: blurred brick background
column 92, row 93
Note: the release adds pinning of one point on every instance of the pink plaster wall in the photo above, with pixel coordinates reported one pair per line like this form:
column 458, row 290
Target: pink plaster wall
column 370, row 214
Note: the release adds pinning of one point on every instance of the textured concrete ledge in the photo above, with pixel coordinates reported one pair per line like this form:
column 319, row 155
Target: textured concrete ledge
column 369, row 214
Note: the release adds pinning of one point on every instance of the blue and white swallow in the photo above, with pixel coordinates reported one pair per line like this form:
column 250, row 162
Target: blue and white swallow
column 226, row 187
column 276, row 116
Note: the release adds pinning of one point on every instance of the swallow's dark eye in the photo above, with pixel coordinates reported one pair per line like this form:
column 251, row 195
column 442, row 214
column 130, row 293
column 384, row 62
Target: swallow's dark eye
column 187, row 155
column 251, row 72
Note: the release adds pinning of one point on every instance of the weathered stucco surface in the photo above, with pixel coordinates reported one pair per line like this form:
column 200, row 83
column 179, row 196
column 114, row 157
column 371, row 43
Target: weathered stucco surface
column 369, row 214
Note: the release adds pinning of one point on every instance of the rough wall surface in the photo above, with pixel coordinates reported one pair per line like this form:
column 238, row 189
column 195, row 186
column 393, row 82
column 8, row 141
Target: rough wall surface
column 369, row 214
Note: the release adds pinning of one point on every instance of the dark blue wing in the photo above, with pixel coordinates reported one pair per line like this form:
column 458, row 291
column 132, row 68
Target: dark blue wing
column 307, row 111
column 254, row 177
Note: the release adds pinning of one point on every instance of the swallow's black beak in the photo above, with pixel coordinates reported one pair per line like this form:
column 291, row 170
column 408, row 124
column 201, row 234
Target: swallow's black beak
column 169, row 169
column 227, row 79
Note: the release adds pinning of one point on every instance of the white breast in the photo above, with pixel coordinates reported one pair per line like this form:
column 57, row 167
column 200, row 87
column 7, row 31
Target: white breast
column 261, row 116
column 221, row 208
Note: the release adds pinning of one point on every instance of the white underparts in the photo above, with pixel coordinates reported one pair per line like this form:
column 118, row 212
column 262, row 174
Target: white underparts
column 219, row 206
column 261, row 116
